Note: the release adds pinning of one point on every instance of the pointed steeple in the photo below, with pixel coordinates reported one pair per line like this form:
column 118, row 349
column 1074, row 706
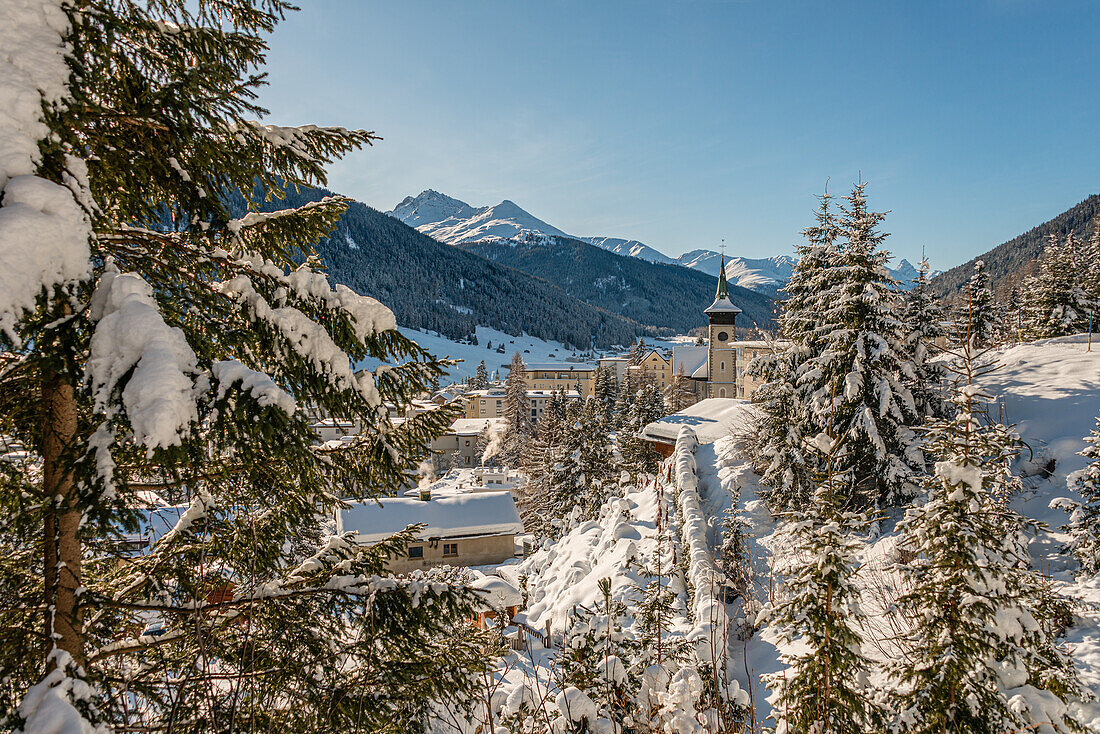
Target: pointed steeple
column 723, row 285
column 722, row 303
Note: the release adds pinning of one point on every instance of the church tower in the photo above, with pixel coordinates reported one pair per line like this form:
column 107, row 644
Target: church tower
column 721, row 354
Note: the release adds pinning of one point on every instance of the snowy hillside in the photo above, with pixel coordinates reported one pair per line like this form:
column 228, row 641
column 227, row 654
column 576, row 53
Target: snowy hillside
column 452, row 221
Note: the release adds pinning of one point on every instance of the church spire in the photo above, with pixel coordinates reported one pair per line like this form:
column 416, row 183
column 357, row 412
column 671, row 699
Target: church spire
column 723, row 285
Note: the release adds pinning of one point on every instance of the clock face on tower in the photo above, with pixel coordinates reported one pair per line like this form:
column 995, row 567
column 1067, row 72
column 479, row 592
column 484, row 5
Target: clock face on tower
column 722, row 336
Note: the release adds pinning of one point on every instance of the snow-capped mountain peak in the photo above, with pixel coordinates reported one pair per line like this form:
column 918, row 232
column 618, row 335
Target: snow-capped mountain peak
column 452, row 221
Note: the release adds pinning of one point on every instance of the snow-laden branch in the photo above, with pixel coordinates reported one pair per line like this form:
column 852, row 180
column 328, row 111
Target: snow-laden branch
column 44, row 229
column 131, row 338
column 259, row 384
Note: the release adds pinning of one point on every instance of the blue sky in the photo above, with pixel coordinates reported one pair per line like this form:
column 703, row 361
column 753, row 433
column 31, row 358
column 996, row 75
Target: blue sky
column 682, row 123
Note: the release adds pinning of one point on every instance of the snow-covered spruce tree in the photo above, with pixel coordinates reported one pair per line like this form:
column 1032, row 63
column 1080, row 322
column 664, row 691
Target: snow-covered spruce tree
column 596, row 658
column 481, row 377
column 584, row 469
column 1084, row 521
column 1056, row 300
column 977, row 307
column 922, row 321
column 544, row 452
column 637, row 352
column 154, row 342
column 639, row 455
column 517, row 412
column 628, row 393
column 853, row 377
column 980, row 656
column 778, row 440
column 606, row 389
column 825, row 688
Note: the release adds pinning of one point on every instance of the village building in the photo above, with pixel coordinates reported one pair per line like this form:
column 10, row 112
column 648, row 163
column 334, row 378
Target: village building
column 460, row 441
column 552, row 376
column 722, row 371
column 490, row 403
column 474, row 529
column 710, row 418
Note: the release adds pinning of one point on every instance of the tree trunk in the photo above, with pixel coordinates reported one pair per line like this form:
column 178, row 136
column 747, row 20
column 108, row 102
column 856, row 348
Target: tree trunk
column 62, row 519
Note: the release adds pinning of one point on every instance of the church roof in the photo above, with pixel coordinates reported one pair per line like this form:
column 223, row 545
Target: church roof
column 722, row 302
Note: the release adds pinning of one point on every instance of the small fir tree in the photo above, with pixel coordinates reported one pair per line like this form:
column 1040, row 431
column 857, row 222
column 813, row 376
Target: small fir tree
column 640, row 456
column 517, row 412
column 480, row 380
column 825, row 687
column 922, row 320
column 1084, row 522
column 977, row 308
column 1057, row 301
column 680, row 393
column 980, row 652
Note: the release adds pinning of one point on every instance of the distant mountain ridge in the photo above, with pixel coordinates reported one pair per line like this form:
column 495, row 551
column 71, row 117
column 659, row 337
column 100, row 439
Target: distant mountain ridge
column 455, row 222
column 646, row 292
column 436, row 287
column 1009, row 262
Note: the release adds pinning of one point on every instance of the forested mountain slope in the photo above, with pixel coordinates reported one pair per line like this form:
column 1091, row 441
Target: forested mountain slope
column 647, row 292
column 1008, row 262
column 437, row 287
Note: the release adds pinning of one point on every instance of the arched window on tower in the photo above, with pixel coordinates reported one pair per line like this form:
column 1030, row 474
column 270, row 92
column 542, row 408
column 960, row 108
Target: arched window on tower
column 721, row 392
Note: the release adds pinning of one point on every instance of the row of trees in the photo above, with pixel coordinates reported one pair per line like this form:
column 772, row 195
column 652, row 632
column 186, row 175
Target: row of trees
column 1060, row 299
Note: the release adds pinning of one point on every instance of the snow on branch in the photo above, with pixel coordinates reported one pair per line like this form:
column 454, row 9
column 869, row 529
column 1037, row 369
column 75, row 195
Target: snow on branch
column 131, row 338
column 44, row 231
column 259, row 384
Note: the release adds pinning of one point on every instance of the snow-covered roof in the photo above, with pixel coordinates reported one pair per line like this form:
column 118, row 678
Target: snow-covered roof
column 454, row 516
column 497, row 593
column 474, row 426
column 722, row 305
column 689, row 357
column 561, row 367
column 702, row 372
column 711, row 419
column 548, row 393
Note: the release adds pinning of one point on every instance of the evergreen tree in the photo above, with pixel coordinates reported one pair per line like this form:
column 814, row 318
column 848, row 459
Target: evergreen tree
column 779, row 439
column 606, row 388
column 1084, row 522
column 1057, row 302
column 1010, row 322
column 981, row 631
column 165, row 344
column 850, row 365
column 584, row 467
column 481, row 378
column 978, row 308
column 639, row 455
column 637, row 353
column 922, row 320
column 517, row 412
column 628, row 393
column 824, row 688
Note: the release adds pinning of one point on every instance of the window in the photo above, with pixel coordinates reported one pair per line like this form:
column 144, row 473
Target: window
column 722, row 366
column 722, row 392
column 450, row 550
column 467, row 459
column 722, row 336
column 416, row 551
column 467, row 442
